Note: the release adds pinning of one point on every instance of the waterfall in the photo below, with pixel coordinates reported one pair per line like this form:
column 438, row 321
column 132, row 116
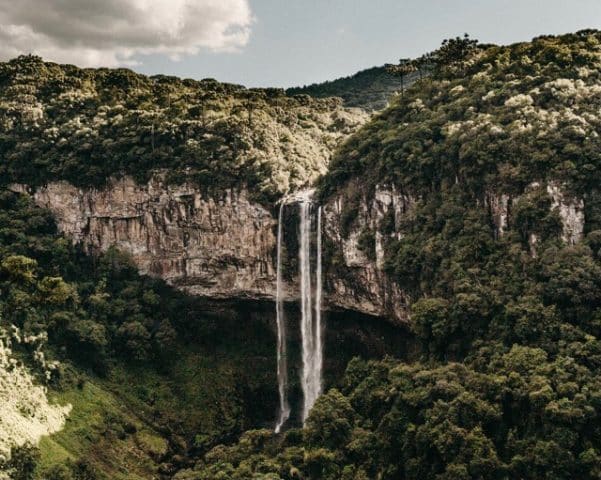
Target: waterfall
column 304, row 254
column 282, row 366
column 318, row 328
column 310, row 326
column 311, row 322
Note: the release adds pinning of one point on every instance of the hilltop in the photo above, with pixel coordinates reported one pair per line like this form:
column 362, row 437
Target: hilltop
column 61, row 122
column 371, row 89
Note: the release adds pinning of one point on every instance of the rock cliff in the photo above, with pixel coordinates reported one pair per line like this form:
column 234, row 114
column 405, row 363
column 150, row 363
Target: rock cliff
column 223, row 245
column 220, row 246
column 211, row 245
column 569, row 208
column 360, row 282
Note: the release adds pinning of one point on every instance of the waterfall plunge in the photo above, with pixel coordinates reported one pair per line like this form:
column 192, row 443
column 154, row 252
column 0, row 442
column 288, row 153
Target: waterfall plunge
column 318, row 365
column 284, row 412
column 311, row 325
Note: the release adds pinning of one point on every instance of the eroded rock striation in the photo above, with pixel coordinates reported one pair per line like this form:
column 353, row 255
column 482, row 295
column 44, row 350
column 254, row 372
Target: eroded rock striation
column 569, row 208
column 217, row 245
column 222, row 245
column 360, row 281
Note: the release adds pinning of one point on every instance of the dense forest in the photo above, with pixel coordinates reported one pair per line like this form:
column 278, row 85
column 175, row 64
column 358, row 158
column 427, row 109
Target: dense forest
column 87, row 125
column 505, row 317
column 508, row 321
column 370, row 89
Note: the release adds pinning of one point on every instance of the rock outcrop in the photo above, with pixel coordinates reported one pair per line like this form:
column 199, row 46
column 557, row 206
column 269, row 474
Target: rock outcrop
column 211, row 245
column 571, row 212
column 219, row 246
column 569, row 208
column 360, row 282
column 223, row 245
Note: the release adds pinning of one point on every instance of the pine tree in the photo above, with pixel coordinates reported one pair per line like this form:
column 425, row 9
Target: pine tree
column 404, row 68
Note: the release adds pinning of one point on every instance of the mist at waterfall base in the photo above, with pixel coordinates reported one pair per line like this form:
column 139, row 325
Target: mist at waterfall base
column 310, row 325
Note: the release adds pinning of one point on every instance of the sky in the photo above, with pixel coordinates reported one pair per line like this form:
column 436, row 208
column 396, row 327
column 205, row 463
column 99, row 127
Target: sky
column 278, row 43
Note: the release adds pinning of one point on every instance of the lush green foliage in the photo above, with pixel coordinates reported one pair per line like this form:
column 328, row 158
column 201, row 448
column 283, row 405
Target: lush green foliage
column 142, row 364
column 47, row 287
column 22, row 463
column 509, row 414
column 456, row 144
column 508, row 321
column 85, row 125
column 370, row 89
column 503, row 118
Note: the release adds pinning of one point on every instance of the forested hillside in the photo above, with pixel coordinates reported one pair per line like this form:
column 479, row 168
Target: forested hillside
column 147, row 374
column 506, row 310
column 60, row 122
column 371, row 89
column 497, row 252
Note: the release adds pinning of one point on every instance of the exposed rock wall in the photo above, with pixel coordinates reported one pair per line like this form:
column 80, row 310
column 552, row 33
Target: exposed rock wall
column 498, row 206
column 217, row 246
column 571, row 212
column 361, row 283
column 213, row 246
column 569, row 208
column 220, row 247
column 224, row 245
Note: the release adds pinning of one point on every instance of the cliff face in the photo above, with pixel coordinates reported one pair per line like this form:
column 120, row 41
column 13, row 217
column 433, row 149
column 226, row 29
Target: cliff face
column 223, row 246
column 569, row 208
column 218, row 246
column 360, row 282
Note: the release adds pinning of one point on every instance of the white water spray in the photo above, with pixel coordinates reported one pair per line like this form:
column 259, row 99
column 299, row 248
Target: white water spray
column 310, row 326
column 282, row 367
column 304, row 254
column 318, row 367
column 311, row 322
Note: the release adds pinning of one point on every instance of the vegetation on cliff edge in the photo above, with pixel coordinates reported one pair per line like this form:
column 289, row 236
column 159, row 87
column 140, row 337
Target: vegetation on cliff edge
column 60, row 122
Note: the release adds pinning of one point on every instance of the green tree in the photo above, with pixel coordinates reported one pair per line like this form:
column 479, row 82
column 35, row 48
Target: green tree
column 432, row 322
column 405, row 67
column 56, row 291
column 19, row 268
column 23, row 462
column 136, row 339
column 330, row 421
column 58, row 472
column 455, row 52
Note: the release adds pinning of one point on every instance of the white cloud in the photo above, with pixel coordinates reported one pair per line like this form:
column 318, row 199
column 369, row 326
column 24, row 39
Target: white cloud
column 113, row 32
